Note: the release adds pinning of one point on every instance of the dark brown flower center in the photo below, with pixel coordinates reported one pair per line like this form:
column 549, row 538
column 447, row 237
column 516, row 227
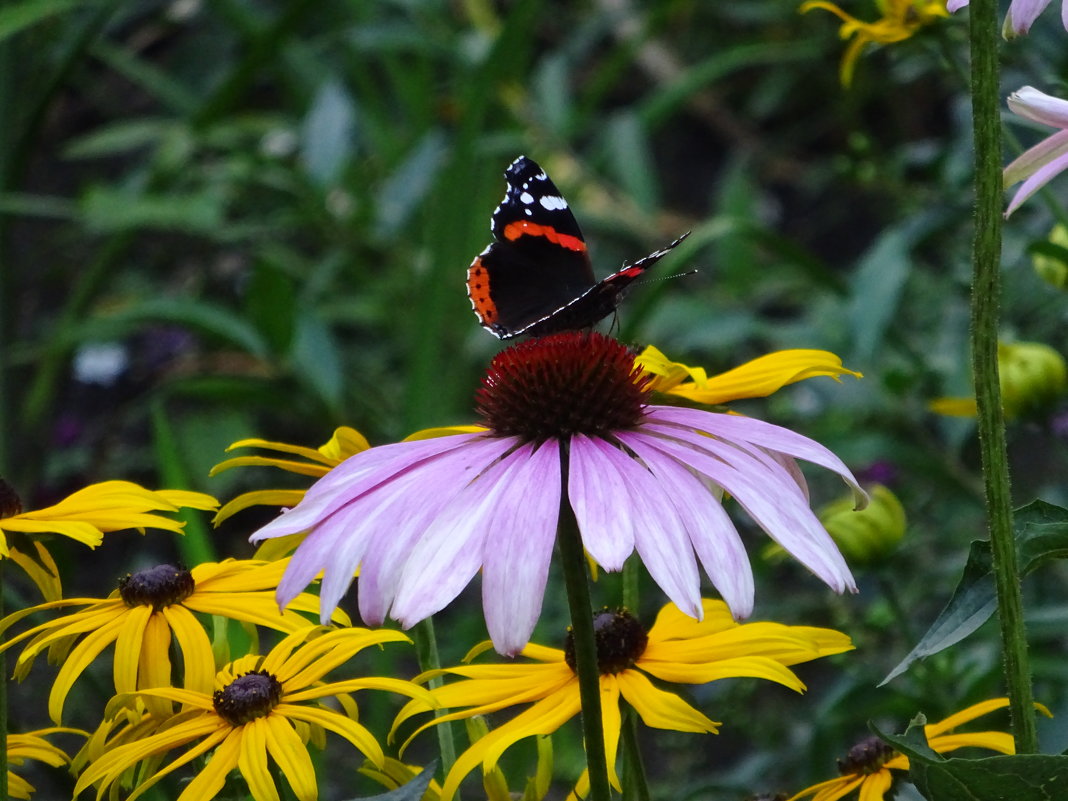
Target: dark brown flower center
column 10, row 503
column 159, row 586
column 560, row 385
column 620, row 639
column 251, row 695
column 866, row 757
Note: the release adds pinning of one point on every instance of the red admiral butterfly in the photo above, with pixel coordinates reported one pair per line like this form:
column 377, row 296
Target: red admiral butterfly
column 536, row 278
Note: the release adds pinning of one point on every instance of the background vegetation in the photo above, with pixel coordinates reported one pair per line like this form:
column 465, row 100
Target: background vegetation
column 234, row 218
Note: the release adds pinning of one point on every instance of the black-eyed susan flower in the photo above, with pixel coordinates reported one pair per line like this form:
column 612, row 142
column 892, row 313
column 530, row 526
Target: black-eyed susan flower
column 900, row 20
column 263, row 709
column 567, row 416
column 85, row 516
column 871, row 766
column 141, row 616
column 676, row 649
column 33, row 745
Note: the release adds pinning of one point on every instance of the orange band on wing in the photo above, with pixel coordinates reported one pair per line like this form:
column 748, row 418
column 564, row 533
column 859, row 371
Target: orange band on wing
column 514, row 230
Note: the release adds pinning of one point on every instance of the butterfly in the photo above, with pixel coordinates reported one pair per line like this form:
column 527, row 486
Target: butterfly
column 535, row 278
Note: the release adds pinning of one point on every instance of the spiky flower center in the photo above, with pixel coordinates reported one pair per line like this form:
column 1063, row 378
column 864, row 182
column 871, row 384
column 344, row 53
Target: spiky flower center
column 251, row 695
column 620, row 639
column 560, row 385
column 159, row 586
column 10, row 503
column 866, row 757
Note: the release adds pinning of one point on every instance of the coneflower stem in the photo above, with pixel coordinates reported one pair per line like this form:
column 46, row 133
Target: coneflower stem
column 986, row 121
column 576, row 580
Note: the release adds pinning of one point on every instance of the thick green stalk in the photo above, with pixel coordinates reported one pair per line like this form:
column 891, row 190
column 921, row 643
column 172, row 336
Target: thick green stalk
column 426, row 649
column 635, row 782
column 986, row 98
column 576, row 579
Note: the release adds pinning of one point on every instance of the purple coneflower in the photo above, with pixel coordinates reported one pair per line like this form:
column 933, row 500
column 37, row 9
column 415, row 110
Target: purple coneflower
column 570, row 411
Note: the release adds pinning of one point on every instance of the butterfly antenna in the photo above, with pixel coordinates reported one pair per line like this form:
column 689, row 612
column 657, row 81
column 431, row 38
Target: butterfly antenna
column 665, row 277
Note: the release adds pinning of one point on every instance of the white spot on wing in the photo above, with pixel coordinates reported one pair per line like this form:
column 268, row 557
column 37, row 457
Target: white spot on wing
column 526, row 198
column 553, row 202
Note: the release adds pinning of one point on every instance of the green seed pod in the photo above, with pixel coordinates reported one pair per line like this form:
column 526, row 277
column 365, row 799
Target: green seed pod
column 870, row 535
column 1033, row 378
column 1050, row 268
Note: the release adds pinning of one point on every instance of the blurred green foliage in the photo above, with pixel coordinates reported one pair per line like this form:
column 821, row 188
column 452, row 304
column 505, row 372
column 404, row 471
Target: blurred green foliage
column 234, row 218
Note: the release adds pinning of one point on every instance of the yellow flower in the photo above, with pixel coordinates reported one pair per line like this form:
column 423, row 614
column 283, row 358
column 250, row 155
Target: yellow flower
column 869, row 766
column 676, row 649
column 258, row 710
column 141, row 616
column 900, row 20
column 33, row 745
column 754, row 379
column 85, row 516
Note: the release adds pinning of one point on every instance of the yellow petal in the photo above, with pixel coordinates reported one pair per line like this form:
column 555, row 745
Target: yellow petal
column 755, row 379
column 211, row 778
column 286, row 498
column 953, row 407
column 291, row 755
column 352, row 731
column 252, row 761
column 660, row 709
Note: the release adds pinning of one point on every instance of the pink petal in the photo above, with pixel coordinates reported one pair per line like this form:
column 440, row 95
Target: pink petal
column 710, row 530
column 450, row 552
column 1023, row 13
column 736, row 428
column 955, row 5
column 601, row 504
column 660, row 536
column 768, row 497
column 1051, row 154
column 1037, row 106
column 516, row 559
column 416, row 508
column 354, row 476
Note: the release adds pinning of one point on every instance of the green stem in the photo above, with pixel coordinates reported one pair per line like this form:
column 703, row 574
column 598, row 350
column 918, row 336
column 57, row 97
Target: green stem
column 985, row 296
column 576, row 580
column 635, row 782
column 426, row 650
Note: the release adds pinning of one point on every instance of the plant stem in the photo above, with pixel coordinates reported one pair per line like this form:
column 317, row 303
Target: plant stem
column 576, row 579
column 985, row 300
column 426, row 649
column 635, row 782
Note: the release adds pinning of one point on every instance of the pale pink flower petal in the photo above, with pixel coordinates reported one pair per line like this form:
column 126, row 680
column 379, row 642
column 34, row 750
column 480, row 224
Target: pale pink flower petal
column 452, row 549
column 710, row 530
column 659, row 535
column 1040, row 178
column 516, row 565
column 601, row 504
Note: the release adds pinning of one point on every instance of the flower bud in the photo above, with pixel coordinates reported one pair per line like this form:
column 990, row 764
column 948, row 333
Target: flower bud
column 1033, row 377
column 1050, row 268
column 867, row 536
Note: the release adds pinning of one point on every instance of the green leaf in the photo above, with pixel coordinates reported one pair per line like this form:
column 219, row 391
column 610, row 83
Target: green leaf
column 1041, row 536
column 317, row 360
column 119, row 137
column 327, row 136
column 876, row 290
column 1017, row 777
column 412, row 791
column 410, row 183
column 107, row 209
column 16, row 18
column 208, row 318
